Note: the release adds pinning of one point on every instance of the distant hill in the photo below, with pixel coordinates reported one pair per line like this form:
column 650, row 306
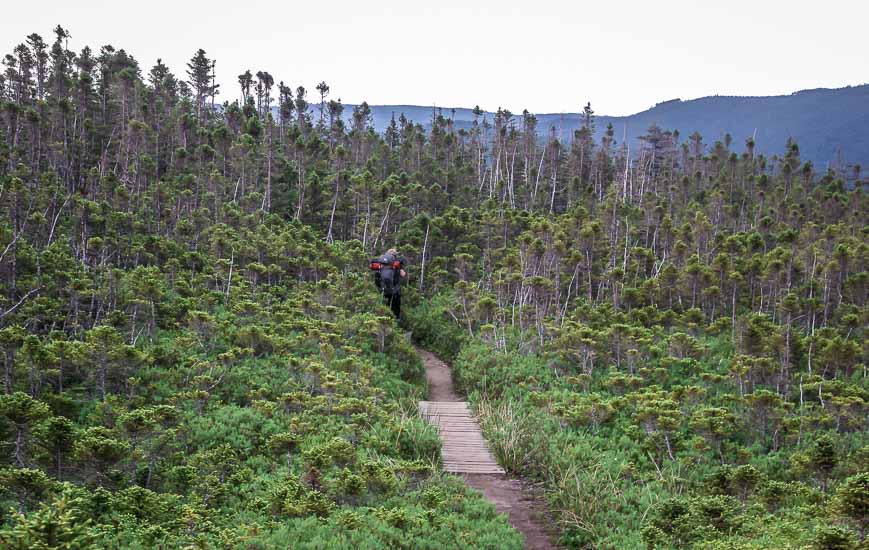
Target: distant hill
column 830, row 125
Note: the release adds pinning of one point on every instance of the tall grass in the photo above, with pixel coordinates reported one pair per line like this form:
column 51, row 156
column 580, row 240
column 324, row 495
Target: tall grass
column 509, row 432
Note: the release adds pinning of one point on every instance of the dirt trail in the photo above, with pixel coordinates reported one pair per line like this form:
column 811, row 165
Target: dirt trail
column 439, row 377
column 526, row 513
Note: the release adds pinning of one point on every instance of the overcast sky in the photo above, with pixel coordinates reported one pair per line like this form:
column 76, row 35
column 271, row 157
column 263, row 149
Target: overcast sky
column 546, row 56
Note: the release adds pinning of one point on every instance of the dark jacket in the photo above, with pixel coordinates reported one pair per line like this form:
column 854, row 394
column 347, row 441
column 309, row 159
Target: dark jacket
column 388, row 278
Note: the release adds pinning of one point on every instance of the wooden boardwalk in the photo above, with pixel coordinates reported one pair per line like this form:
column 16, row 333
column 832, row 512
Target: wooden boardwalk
column 464, row 449
column 465, row 453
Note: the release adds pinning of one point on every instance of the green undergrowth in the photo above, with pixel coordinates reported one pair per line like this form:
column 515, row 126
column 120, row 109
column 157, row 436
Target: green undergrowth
column 601, row 445
column 266, row 415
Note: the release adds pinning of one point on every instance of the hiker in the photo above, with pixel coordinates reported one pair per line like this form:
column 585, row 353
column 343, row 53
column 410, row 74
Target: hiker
column 388, row 273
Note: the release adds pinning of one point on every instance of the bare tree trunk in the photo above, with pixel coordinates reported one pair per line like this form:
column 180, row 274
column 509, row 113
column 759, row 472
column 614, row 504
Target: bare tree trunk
column 329, row 237
column 267, row 199
column 422, row 266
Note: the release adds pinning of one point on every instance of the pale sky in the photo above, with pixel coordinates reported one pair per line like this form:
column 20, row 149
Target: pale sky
column 541, row 55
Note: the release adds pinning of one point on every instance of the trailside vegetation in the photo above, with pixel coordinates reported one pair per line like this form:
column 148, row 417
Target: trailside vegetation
column 185, row 361
column 668, row 334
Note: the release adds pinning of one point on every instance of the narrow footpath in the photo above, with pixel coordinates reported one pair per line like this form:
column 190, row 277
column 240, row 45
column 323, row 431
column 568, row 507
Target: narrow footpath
column 466, row 453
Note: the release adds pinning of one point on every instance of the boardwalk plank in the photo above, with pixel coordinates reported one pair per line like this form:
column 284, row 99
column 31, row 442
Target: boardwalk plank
column 464, row 449
column 466, row 453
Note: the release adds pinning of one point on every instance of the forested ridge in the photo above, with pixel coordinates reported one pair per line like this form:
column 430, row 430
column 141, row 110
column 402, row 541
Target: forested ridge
column 671, row 341
column 829, row 124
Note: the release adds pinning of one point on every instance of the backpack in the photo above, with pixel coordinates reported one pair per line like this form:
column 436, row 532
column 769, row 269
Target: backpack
column 386, row 274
